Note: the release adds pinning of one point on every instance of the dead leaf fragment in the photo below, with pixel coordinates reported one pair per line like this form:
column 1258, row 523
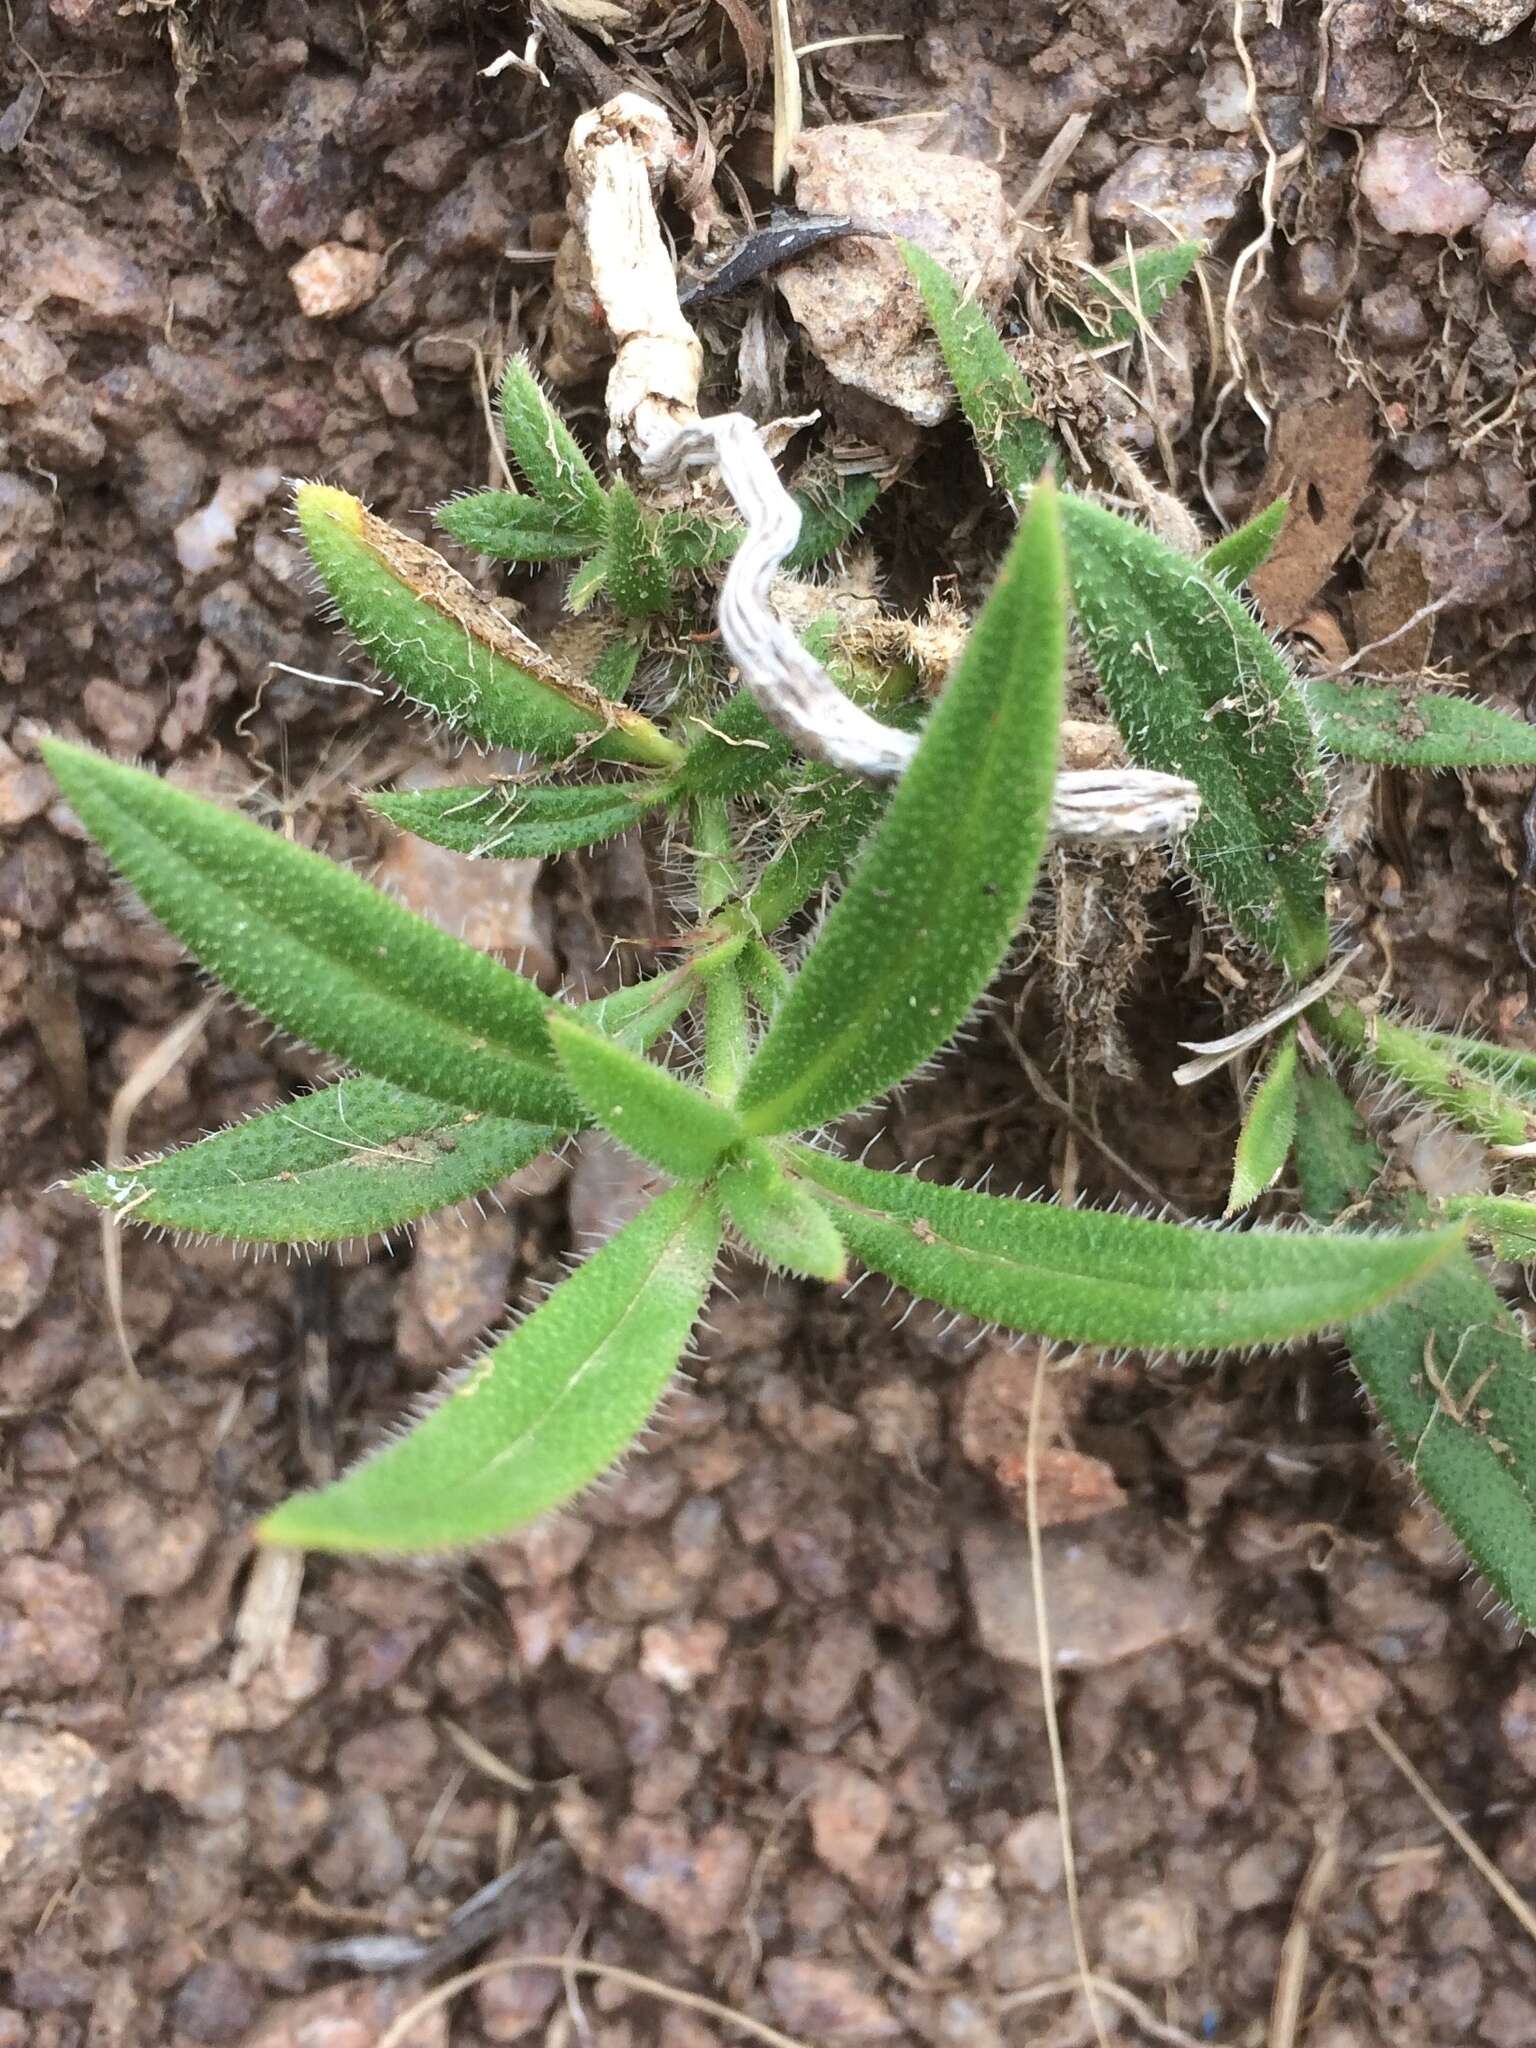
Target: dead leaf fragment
column 1322, row 455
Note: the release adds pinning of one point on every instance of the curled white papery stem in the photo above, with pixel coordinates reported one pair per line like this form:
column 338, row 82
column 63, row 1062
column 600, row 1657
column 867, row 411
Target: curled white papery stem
column 617, row 158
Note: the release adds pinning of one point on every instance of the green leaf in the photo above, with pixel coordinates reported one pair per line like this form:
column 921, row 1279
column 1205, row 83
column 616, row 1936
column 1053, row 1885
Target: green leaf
column 818, row 850
column 1431, row 1067
column 1128, row 295
column 738, row 753
column 1236, row 556
column 348, row 1161
column 993, row 391
column 698, row 536
column 832, row 509
column 546, row 452
column 1513, row 1071
column 614, row 669
column 638, row 576
column 1197, row 689
column 1446, row 1368
column 1269, row 1128
column 446, row 648
column 514, row 528
column 1506, row 1221
column 542, row 1414
column 932, row 905
column 1090, row 1277
column 678, row 1128
column 779, row 1218
column 318, row 951
column 1416, row 728
column 511, row 822
column 588, row 583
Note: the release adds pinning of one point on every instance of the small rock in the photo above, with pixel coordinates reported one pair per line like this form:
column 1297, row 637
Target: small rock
column 1394, row 317
column 679, row 1657
column 26, row 791
column 333, row 280
column 1476, row 21
column 609, row 1187
column 1316, row 279
column 1405, row 185
column 394, row 1756
column 849, row 1814
column 634, row 1579
column 826, row 2002
column 457, row 1287
column 855, row 300
column 141, row 1551
column 1030, row 1853
column 109, row 291
column 28, row 515
column 160, row 474
column 363, row 1856
column 1189, row 195
column 962, row 1917
column 1223, row 96
column 1150, row 1938
column 29, row 359
column 180, row 1748
column 694, row 1888
column 54, row 1623
column 491, row 904
column 1114, row 1592
column 204, row 538
column 216, row 2002
column 1508, row 236
column 1367, row 75
column 515, row 2003
column 1517, row 1724
column 352, row 2015
column 126, row 719
column 52, row 1787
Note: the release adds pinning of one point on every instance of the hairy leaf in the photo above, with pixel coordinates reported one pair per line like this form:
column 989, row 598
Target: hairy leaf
column 1416, row 728
column 1236, row 555
column 518, row 822
column 1432, row 1067
column 445, row 647
column 1446, row 1367
column 546, row 452
column 1506, row 1221
column 830, row 513
column 636, row 1016
column 514, row 528
column 543, row 1413
column 1090, row 1277
column 678, row 1128
column 779, row 1217
column 1197, row 689
column 319, row 952
column 635, row 562
column 993, row 391
column 1514, row 1072
column 1127, row 295
column 934, row 901
column 1269, row 1128
column 825, row 846
column 347, row 1161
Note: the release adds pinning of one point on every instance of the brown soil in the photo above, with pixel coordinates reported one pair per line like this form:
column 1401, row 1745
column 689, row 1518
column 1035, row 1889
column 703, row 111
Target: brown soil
column 774, row 1687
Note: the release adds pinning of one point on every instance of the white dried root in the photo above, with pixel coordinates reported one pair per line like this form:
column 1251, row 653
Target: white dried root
column 617, row 158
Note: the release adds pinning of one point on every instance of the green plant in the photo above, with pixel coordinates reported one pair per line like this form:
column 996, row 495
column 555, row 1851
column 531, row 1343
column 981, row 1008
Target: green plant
column 467, row 1070
column 1195, row 684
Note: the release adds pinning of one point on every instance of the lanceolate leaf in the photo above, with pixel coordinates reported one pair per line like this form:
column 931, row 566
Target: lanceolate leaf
column 543, row 1413
column 1446, row 1367
column 347, row 1161
column 1508, row 1223
column 445, row 647
column 635, row 557
column 994, row 393
column 1234, row 558
column 1129, row 294
column 830, row 513
column 514, row 528
column 1090, row 1277
column 825, row 847
column 512, row 822
column 680, row 1129
column 1197, row 689
column 934, row 901
column 546, row 452
column 1269, row 1127
column 780, row 1218
column 1431, row 1065
column 1416, row 728
column 317, row 950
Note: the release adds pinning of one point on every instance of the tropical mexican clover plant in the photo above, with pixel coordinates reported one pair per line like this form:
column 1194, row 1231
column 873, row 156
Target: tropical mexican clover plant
column 465, row 1071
